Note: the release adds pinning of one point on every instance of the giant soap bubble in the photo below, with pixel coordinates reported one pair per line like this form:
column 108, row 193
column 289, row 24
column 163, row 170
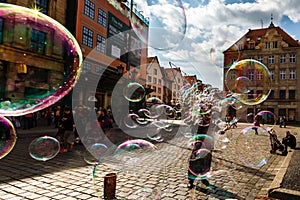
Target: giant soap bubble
column 39, row 61
column 166, row 22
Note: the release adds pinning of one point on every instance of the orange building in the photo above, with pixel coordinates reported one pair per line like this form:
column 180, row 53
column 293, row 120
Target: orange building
column 109, row 48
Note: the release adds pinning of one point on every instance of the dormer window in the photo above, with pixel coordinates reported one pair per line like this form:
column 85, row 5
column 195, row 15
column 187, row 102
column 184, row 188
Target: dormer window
column 248, row 39
column 259, row 38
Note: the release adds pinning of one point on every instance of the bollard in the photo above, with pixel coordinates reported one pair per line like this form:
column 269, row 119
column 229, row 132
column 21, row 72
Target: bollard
column 110, row 186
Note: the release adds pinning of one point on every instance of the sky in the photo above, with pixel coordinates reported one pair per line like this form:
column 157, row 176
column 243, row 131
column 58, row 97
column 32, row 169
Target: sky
column 184, row 32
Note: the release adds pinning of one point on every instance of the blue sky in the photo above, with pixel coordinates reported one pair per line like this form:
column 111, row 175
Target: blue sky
column 213, row 24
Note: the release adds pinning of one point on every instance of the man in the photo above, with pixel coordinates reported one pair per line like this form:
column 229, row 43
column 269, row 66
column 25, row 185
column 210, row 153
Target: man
column 288, row 141
column 67, row 124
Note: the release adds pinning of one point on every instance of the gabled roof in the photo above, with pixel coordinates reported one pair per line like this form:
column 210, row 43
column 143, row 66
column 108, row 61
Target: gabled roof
column 191, row 79
column 256, row 33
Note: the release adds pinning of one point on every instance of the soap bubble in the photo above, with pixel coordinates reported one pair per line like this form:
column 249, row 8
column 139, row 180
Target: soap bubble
column 44, row 148
column 41, row 60
column 165, row 29
column 251, row 92
column 251, row 151
column 8, row 136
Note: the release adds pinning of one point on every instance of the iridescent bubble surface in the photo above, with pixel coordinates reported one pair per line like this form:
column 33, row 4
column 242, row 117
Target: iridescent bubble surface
column 40, row 60
column 251, row 92
column 251, row 151
column 44, row 148
column 8, row 136
column 165, row 29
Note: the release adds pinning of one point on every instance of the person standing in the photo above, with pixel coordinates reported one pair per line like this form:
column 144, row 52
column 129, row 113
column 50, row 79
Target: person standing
column 67, row 125
column 57, row 116
column 256, row 125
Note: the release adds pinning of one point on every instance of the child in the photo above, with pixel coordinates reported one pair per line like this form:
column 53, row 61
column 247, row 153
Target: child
column 199, row 164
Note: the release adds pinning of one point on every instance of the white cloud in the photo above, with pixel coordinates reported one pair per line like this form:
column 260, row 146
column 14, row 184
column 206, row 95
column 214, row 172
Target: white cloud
column 217, row 25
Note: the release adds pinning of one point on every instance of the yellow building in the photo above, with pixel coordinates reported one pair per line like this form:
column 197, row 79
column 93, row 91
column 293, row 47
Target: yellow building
column 280, row 53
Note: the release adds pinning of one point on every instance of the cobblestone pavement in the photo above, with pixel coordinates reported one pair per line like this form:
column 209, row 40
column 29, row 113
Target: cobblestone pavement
column 159, row 174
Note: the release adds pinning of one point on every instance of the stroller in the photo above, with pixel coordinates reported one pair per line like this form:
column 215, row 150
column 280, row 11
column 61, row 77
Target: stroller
column 275, row 143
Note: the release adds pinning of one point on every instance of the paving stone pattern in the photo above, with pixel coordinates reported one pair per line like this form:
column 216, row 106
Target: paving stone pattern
column 160, row 174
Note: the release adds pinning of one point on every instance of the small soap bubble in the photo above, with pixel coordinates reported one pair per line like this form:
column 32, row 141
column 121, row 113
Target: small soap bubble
column 44, row 148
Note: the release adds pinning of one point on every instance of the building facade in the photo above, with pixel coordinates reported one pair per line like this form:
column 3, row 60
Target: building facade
column 108, row 43
column 280, row 53
column 33, row 55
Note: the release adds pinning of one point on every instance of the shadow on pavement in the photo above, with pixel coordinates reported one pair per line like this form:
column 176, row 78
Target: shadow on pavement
column 217, row 192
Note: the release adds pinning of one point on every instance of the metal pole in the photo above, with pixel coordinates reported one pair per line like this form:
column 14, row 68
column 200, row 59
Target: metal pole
column 110, row 186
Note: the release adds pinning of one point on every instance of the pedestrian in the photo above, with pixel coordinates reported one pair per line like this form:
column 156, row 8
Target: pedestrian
column 49, row 116
column 67, row 124
column 57, row 116
column 280, row 121
column 256, row 125
column 104, row 121
column 284, row 119
column 199, row 164
column 81, row 115
column 289, row 141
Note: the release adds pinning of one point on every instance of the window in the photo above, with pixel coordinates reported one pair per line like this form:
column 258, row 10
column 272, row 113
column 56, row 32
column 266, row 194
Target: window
column 281, row 94
column 87, row 37
column 149, row 79
column 271, row 60
column 99, row 69
column 282, row 59
column 42, row 5
column 174, row 86
column 159, row 81
column 251, row 75
column 102, row 17
column 271, row 95
column 292, row 58
column 100, row 44
column 155, row 71
column 252, row 46
column 86, row 67
column 159, row 91
column 1, row 30
column 267, row 45
column 38, row 40
column 154, row 89
column 260, row 59
column 292, row 94
column 272, row 75
column 154, row 80
column 292, row 74
column 178, row 80
column 89, row 9
column 259, row 76
column 275, row 44
column 282, row 75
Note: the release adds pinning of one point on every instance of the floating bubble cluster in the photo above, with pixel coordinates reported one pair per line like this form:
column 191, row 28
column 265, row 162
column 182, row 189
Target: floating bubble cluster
column 8, row 136
column 42, row 58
